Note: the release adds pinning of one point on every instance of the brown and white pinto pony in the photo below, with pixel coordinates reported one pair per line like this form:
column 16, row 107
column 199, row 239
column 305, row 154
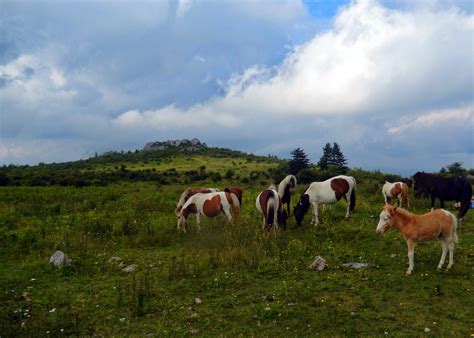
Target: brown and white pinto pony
column 269, row 204
column 439, row 224
column 398, row 190
column 188, row 193
column 327, row 192
column 284, row 191
column 210, row 205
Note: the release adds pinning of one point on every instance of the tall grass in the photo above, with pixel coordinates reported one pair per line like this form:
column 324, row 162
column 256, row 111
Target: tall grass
column 249, row 281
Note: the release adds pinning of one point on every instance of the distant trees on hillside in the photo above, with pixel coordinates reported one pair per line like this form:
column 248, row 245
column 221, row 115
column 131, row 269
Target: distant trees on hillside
column 332, row 156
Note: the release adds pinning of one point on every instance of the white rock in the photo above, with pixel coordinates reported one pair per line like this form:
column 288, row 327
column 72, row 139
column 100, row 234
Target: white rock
column 130, row 268
column 319, row 264
column 59, row 258
column 427, row 329
column 115, row 260
column 197, row 300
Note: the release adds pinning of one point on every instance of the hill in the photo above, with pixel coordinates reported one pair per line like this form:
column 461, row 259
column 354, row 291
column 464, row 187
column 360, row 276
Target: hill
column 162, row 162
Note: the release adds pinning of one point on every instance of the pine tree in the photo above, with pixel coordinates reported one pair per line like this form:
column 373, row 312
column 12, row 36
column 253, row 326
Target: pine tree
column 337, row 157
column 299, row 161
column 326, row 157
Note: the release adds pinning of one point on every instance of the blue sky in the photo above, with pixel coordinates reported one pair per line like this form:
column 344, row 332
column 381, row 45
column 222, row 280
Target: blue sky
column 391, row 81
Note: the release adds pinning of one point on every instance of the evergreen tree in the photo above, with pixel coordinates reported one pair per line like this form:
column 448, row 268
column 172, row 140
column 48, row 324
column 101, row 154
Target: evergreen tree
column 337, row 157
column 325, row 159
column 298, row 161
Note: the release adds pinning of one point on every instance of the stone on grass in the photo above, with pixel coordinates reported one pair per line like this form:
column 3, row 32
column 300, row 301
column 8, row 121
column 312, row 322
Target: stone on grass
column 59, row 258
column 318, row 264
column 197, row 300
column 355, row 265
column 115, row 260
column 130, row 268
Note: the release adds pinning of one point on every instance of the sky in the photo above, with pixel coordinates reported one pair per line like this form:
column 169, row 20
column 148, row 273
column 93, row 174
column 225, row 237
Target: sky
column 392, row 82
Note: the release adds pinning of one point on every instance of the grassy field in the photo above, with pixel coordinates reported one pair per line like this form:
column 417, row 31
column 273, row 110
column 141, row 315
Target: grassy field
column 224, row 280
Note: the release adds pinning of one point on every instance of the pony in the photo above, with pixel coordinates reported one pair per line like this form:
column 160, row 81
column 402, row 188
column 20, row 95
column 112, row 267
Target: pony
column 439, row 224
column 188, row 193
column 268, row 202
column 208, row 204
column 454, row 188
column 288, row 183
column 327, row 192
column 396, row 190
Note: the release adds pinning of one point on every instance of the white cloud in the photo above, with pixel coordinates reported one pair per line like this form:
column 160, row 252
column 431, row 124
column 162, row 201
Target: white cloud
column 183, row 7
column 374, row 60
column 170, row 117
column 464, row 115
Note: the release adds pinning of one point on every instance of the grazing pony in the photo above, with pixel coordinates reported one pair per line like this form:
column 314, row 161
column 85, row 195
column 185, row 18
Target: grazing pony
column 396, row 190
column 454, row 188
column 327, row 192
column 288, row 183
column 208, row 204
column 269, row 204
column 439, row 224
column 188, row 193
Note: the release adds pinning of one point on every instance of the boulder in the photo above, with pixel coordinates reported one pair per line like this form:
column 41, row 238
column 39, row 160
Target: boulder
column 318, row 264
column 59, row 258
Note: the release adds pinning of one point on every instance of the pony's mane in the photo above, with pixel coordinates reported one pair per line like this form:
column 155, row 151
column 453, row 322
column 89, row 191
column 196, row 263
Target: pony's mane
column 284, row 183
column 182, row 198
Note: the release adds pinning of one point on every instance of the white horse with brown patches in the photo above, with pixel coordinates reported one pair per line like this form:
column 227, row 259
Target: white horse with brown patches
column 210, row 205
column 439, row 224
column 269, row 204
column 398, row 190
column 188, row 193
column 327, row 192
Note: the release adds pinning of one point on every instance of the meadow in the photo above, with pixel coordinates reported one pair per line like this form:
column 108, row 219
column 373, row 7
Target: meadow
column 224, row 280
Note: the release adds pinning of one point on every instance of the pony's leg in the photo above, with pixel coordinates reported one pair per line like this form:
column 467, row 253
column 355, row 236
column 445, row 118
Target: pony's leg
column 348, row 199
column 441, row 203
column 432, row 202
column 451, row 253
column 198, row 221
column 316, row 216
column 288, row 208
column 385, row 198
column 411, row 254
column 227, row 214
column 444, row 245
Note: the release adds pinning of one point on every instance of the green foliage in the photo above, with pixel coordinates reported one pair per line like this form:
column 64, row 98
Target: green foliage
column 298, row 162
column 454, row 169
column 333, row 159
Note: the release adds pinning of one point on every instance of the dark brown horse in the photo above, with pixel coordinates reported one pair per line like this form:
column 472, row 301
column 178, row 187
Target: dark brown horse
column 454, row 188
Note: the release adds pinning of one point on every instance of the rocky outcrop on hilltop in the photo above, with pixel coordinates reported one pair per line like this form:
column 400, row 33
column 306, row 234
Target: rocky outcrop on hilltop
column 192, row 144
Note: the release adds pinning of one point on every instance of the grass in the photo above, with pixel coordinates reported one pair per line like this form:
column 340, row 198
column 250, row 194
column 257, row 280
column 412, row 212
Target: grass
column 249, row 282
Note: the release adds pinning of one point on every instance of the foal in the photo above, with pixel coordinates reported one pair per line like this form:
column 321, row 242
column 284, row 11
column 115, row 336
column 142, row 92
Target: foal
column 439, row 224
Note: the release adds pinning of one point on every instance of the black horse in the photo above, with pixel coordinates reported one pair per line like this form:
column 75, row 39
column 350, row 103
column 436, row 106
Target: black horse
column 454, row 188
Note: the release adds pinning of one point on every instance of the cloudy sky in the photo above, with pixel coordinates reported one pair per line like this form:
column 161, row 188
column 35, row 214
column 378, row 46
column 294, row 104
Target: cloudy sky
column 391, row 81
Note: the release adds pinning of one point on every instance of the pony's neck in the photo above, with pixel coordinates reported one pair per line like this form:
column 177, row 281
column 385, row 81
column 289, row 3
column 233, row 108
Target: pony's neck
column 402, row 218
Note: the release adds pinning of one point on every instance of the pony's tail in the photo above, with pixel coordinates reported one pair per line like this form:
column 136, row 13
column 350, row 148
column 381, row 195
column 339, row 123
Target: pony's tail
column 352, row 203
column 455, row 227
column 270, row 210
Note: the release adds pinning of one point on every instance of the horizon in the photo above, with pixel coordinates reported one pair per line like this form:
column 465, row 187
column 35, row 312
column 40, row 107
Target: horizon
column 392, row 82
column 313, row 161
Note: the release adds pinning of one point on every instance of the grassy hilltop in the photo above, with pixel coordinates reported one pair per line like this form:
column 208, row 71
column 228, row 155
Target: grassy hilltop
column 224, row 280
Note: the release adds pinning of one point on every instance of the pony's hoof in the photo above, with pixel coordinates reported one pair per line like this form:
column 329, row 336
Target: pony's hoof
column 408, row 273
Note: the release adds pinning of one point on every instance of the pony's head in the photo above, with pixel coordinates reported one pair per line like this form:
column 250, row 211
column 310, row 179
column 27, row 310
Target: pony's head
column 301, row 208
column 419, row 185
column 182, row 222
column 385, row 219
